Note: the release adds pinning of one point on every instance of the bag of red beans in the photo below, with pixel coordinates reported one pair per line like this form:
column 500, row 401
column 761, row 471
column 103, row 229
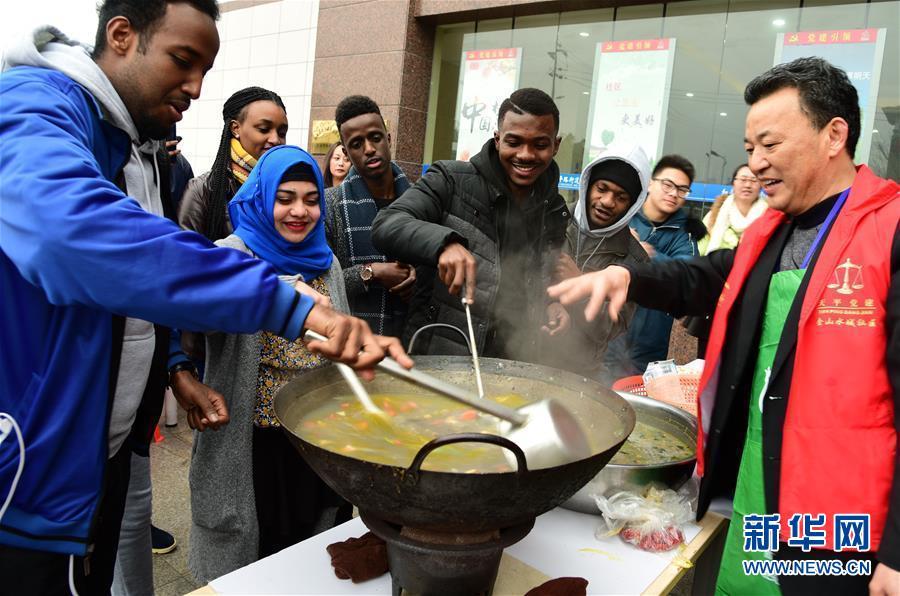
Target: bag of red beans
column 655, row 541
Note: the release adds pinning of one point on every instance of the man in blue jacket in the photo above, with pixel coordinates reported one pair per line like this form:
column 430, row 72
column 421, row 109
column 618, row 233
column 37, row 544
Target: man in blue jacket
column 665, row 231
column 92, row 276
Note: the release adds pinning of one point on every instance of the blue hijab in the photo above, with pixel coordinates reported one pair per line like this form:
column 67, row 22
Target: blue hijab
column 251, row 212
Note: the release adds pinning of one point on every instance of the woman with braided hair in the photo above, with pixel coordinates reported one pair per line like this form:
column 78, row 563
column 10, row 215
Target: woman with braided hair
column 255, row 120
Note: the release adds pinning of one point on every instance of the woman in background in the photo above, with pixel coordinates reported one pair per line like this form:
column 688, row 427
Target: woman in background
column 255, row 120
column 337, row 164
column 252, row 494
column 731, row 214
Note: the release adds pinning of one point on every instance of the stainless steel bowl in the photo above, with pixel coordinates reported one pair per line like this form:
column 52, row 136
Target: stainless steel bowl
column 616, row 477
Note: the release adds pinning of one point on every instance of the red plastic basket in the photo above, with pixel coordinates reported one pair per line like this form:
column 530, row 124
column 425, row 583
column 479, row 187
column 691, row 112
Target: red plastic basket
column 633, row 385
column 689, row 387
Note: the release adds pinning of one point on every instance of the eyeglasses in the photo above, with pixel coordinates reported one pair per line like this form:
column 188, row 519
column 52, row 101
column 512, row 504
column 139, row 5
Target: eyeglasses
column 669, row 186
column 746, row 179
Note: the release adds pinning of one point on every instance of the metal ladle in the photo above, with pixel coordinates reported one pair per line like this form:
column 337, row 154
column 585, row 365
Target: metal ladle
column 359, row 390
column 546, row 431
column 473, row 347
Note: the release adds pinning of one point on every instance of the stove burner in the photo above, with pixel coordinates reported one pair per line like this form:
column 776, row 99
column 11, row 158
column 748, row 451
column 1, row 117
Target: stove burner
column 448, row 538
column 430, row 563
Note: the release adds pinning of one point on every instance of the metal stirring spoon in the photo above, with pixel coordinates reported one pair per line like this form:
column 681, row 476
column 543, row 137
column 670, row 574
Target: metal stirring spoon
column 360, row 392
column 474, row 347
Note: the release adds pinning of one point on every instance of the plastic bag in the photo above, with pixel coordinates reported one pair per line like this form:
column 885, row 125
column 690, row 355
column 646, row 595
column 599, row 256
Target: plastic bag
column 651, row 521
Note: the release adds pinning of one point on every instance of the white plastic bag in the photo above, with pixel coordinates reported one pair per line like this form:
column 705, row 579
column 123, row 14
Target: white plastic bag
column 651, row 521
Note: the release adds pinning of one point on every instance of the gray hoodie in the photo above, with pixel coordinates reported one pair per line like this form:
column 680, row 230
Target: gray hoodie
column 47, row 47
column 637, row 159
column 583, row 347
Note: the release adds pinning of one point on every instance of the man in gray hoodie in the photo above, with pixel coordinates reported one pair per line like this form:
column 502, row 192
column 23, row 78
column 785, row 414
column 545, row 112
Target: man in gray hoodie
column 612, row 189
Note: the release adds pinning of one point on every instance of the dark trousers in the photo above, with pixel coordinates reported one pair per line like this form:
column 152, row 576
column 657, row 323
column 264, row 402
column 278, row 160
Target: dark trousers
column 292, row 502
column 33, row 572
column 817, row 585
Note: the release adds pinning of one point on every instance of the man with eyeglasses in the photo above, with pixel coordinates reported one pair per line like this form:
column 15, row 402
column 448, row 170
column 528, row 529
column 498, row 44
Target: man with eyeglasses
column 666, row 231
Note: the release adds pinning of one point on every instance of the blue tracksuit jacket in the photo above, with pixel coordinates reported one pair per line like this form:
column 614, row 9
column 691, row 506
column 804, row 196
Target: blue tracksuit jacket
column 74, row 253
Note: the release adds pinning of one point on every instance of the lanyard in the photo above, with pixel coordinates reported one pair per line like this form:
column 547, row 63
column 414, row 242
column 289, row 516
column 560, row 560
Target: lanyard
column 824, row 229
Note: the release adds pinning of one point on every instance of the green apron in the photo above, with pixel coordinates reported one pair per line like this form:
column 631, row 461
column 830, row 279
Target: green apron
column 749, row 496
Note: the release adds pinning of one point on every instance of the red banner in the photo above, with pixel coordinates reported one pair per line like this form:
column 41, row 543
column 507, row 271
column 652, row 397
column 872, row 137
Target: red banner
column 806, row 38
column 635, row 45
column 492, row 54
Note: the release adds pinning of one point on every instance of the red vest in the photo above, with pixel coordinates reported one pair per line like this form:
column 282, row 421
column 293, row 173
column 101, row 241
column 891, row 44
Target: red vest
column 839, row 440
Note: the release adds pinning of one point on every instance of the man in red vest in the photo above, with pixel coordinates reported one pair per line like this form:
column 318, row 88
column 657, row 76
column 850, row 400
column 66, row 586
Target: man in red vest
column 802, row 379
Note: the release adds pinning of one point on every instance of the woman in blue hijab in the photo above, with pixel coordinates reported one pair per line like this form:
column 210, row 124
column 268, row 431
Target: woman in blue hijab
column 269, row 198
column 251, row 492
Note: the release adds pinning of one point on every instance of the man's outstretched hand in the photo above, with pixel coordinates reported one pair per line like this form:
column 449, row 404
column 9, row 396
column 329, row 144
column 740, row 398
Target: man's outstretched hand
column 610, row 284
column 352, row 342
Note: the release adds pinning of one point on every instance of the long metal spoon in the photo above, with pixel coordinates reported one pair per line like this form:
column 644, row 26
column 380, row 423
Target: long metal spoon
column 416, row 377
column 472, row 346
column 359, row 390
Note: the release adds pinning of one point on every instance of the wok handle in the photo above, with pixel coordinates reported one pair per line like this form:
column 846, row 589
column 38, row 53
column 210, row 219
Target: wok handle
column 415, row 336
column 414, row 468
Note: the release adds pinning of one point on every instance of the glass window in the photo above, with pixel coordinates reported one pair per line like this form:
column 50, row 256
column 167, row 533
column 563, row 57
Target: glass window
column 720, row 46
column 751, row 33
column 492, row 33
column 579, row 34
column 638, row 22
column 884, row 155
column 440, row 133
column 694, row 98
column 536, row 35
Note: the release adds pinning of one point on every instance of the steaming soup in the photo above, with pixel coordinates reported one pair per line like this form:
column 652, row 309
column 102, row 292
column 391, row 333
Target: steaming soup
column 343, row 426
column 648, row 445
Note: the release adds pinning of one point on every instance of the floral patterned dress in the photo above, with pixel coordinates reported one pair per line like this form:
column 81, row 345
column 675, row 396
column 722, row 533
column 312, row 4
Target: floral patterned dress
column 280, row 361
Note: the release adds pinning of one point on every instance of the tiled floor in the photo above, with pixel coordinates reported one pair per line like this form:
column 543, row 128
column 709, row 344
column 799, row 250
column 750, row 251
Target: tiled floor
column 170, row 460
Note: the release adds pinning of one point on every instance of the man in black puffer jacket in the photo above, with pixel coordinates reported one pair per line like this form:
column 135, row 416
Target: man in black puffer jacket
column 495, row 224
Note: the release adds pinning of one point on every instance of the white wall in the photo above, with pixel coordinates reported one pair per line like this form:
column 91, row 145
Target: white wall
column 269, row 45
column 75, row 18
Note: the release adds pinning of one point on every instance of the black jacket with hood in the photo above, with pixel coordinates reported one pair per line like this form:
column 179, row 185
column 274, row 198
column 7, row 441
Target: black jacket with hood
column 464, row 202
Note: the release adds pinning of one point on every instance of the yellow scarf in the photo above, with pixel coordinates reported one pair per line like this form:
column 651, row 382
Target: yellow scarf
column 241, row 161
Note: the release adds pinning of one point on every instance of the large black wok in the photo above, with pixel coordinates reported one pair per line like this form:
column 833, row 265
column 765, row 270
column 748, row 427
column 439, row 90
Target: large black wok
column 453, row 502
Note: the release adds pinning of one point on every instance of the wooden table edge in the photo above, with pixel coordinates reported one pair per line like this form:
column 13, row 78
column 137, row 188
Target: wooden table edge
column 710, row 525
